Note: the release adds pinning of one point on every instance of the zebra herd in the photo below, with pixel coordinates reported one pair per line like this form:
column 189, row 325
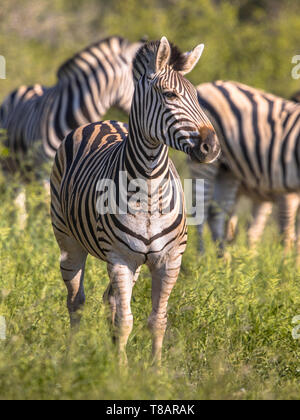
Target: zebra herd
column 239, row 140
column 260, row 141
column 90, row 83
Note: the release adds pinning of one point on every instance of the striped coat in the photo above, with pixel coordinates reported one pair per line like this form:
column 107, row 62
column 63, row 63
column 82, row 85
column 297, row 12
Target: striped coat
column 38, row 118
column 259, row 135
column 117, row 196
column 288, row 205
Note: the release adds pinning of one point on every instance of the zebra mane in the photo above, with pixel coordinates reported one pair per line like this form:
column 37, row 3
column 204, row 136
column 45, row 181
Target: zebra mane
column 71, row 64
column 147, row 53
column 296, row 97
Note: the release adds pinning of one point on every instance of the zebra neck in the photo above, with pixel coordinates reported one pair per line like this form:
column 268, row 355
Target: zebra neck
column 96, row 90
column 144, row 160
column 84, row 102
column 70, row 104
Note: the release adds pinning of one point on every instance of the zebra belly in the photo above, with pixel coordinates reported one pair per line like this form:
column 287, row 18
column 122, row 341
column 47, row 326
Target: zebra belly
column 91, row 188
column 141, row 237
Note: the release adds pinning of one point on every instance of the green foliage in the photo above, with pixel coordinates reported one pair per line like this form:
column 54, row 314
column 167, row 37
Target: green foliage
column 4, row 152
column 229, row 334
column 249, row 41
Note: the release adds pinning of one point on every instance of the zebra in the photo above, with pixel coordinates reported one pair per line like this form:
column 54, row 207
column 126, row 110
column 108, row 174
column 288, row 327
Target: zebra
column 296, row 96
column 37, row 118
column 288, row 205
column 259, row 136
column 262, row 207
column 153, row 230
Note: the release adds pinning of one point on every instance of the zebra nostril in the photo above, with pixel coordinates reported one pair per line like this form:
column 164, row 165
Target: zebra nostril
column 205, row 148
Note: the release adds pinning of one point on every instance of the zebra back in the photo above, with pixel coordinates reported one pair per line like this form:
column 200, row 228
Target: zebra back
column 259, row 134
column 89, row 83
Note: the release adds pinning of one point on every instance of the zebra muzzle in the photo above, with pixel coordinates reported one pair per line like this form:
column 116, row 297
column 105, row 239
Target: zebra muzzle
column 207, row 149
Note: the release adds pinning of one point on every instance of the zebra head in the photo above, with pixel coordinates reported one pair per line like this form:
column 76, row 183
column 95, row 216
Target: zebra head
column 165, row 106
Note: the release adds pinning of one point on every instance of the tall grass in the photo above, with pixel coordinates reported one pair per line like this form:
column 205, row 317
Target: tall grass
column 229, row 334
column 230, row 322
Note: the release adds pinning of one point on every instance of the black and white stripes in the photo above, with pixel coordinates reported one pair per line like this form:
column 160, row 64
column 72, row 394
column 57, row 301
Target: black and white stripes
column 260, row 140
column 152, row 230
column 88, row 84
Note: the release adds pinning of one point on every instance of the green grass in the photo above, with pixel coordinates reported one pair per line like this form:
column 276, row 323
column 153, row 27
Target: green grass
column 230, row 323
column 229, row 334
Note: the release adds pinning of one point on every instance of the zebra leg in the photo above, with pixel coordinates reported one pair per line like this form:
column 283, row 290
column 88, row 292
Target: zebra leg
column 298, row 240
column 217, row 222
column 122, row 278
column 232, row 227
column 46, row 185
column 72, row 266
column 207, row 173
column 261, row 212
column 288, row 207
column 20, row 204
column 164, row 278
column 225, row 193
column 110, row 301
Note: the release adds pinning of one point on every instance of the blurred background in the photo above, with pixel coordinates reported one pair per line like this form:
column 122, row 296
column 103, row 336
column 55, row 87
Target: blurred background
column 252, row 41
column 231, row 322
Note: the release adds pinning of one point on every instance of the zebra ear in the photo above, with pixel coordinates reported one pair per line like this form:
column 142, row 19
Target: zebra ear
column 191, row 59
column 163, row 54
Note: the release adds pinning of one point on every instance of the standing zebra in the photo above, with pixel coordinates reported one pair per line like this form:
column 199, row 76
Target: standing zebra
column 260, row 141
column 37, row 119
column 288, row 205
column 153, row 231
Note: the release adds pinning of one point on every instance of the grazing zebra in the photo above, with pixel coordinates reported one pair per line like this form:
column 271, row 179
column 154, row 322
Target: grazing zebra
column 37, row 119
column 88, row 190
column 260, row 141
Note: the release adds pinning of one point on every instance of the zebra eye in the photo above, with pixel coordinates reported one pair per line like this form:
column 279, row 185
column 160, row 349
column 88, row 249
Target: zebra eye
column 170, row 95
